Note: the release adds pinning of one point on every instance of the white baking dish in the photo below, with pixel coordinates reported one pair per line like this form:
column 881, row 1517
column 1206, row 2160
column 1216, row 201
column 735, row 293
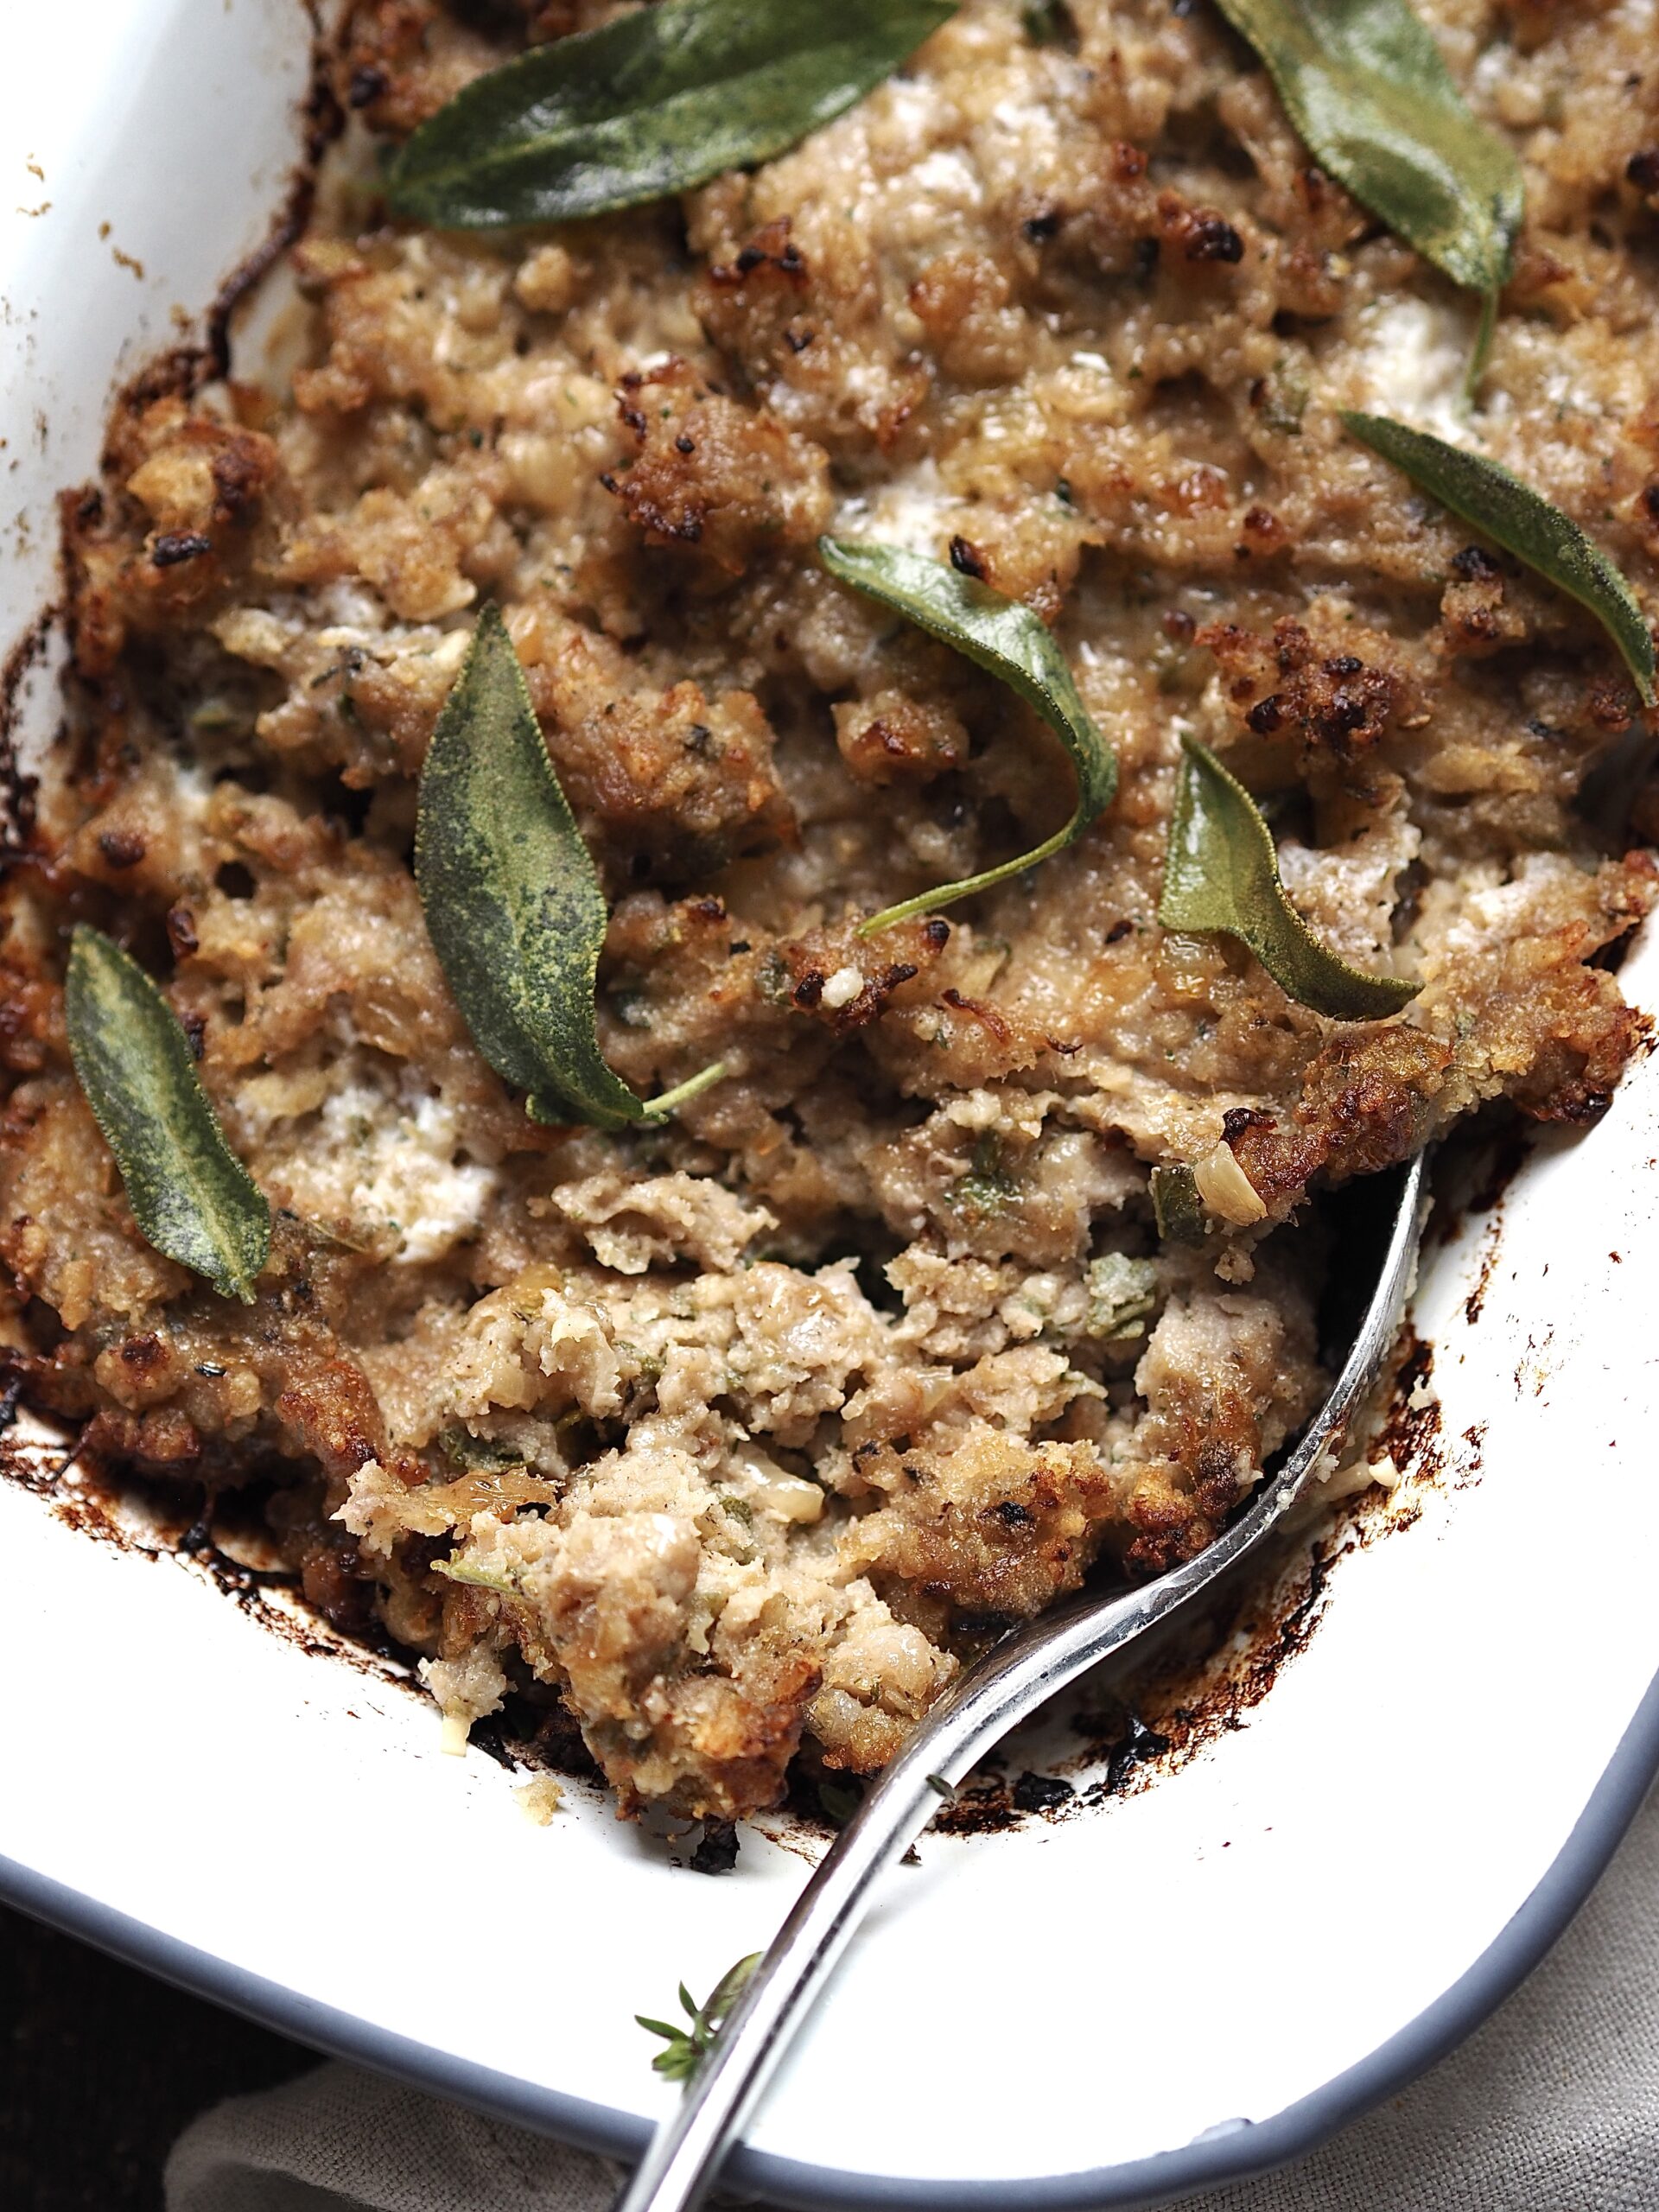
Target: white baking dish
column 1180, row 1985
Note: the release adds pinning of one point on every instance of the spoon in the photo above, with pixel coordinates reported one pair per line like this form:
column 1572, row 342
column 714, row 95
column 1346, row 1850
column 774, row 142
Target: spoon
column 998, row 1691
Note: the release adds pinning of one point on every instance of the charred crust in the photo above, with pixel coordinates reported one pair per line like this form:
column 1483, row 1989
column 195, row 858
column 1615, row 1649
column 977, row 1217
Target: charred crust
column 967, row 560
column 1475, row 565
column 122, row 848
column 1336, row 705
column 1237, row 1119
column 772, row 253
column 173, row 546
column 1041, row 1792
column 365, row 84
column 1209, row 237
column 715, row 1852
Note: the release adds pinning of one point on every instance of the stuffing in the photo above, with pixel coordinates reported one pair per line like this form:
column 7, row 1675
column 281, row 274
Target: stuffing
column 742, row 1429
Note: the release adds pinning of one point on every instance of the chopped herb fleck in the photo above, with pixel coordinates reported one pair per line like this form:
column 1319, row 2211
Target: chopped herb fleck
column 1176, row 1206
column 986, row 1189
column 457, row 1569
column 1123, row 1295
column 479, row 1455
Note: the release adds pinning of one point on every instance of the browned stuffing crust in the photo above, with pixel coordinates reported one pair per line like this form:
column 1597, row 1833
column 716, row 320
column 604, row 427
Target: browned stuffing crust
column 749, row 1426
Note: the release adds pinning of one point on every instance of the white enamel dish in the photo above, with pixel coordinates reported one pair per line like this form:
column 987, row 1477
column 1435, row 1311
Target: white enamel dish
column 1364, row 1869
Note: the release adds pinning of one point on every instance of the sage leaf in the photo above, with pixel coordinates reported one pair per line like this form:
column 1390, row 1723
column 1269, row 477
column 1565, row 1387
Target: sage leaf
column 190, row 1195
column 1364, row 83
column 1524, row 523
column 512, row 900
column 1221, row 873
column 1004, row 636
column 650, row 104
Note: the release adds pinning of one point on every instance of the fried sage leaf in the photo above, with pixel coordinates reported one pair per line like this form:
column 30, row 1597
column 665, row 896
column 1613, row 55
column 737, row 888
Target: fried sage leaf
column 1221, row 873
column 1365, row 85
column 1004, row 637
column 1524, row 523
column 512, row 901
column 190, row 1195
column 650, row 104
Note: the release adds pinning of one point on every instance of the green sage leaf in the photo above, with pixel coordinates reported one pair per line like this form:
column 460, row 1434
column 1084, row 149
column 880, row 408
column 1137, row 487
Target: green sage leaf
column 1364, row 83
column 1221, row 873
column 1004, row 636
column 1524, row 523
column 190, row 1195
column 650, row 104
column 512, row 900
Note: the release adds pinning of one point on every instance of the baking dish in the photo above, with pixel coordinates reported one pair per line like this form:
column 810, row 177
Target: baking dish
column 1363, row 1867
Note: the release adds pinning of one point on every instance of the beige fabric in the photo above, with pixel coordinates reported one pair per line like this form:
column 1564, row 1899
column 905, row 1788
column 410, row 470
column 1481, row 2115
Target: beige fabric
column 1553, row 2107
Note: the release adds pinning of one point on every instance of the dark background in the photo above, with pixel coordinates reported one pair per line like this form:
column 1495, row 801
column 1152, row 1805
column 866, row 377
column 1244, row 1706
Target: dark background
column 102, row 2068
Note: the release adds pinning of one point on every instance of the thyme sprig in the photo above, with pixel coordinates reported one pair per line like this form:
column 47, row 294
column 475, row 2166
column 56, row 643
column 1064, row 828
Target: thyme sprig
column 685, row 2049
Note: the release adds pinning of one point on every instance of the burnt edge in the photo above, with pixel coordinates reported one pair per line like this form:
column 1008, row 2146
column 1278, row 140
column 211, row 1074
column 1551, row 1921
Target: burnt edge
column 1228, row 1658
column 259, row 1594
column 17, row 789
column 322, row 121
column 1183, row 1705
column 183, row 370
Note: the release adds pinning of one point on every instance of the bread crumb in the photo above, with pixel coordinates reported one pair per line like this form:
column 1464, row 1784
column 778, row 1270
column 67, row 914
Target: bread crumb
column 539, row 1798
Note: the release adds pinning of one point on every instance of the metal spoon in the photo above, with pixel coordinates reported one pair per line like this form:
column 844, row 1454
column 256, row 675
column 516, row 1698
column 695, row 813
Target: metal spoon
column 1002, row 1689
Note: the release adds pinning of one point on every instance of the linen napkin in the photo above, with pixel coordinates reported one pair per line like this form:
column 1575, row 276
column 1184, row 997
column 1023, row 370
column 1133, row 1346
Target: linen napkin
column 1552, row 2106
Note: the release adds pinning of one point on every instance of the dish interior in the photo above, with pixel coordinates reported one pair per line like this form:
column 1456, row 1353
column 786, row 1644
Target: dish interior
column 298, row 1817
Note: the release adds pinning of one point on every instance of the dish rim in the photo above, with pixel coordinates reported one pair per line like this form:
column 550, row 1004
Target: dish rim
column 1233, row 2152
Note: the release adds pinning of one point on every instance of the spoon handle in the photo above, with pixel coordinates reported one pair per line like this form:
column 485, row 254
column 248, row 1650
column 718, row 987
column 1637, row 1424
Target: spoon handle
column 1009, row 1682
